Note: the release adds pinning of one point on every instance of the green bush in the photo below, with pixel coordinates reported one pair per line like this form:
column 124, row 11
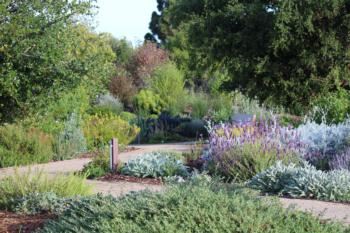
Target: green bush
column 52, row 117
column 71, row 140
column 221, row 107
column 156, row 164
column 98, row 167
column 333, row 108
column 168, row 82
column 22, row 184
column 129, row 117
column 197, row 103
column 20, row 146
column 303, row 181
column 100, row 129
column 147, row 103
column 187, row 208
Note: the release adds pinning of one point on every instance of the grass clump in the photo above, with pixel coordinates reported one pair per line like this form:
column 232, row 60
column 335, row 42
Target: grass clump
column 20, row 185
column 201, row 207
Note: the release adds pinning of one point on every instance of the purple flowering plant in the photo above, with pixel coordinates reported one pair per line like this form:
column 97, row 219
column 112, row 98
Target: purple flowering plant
column 240, row 151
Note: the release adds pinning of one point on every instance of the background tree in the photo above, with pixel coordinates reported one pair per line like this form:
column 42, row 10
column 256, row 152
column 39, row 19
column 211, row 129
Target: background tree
column 44, row 50
column 286, row 52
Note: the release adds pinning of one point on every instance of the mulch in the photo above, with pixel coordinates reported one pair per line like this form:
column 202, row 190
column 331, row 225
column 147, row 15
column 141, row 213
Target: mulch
column 122, row 178
column 14, row 223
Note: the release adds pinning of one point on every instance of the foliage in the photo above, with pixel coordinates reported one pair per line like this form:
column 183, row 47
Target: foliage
column 241, row 151
column 340, row 161
column 199, row 207
column 71, row 140
column 99, row 166
column 53, row 117
column 148, row 103
column 323, row 141
column 268, row 47
column 168, row 82
column 243, row 104
column 333, row 107
column 123, row 50
column 221, row 107
column 197, row 104
column 22, row 184
column 305, row 181
column 144, row 61
column 100, row 129
column 129, row 117
column 45, row 52
column 193, row 129
column 156, row 164
column 21, row 146
column 123, row 88
column 107, row 104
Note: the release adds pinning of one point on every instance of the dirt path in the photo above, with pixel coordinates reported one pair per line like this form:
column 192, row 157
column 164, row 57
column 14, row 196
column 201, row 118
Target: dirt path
column 324, row 210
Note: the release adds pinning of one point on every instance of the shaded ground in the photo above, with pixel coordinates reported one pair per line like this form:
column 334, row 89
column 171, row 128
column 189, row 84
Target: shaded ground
column 14, row 223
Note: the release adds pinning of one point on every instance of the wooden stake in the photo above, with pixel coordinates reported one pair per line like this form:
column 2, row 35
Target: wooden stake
column 113, row 151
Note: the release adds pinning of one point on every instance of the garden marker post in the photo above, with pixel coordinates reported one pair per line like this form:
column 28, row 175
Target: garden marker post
column 113, row 154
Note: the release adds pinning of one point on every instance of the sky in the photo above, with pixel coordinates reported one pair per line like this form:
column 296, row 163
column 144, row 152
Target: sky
column 125, row 18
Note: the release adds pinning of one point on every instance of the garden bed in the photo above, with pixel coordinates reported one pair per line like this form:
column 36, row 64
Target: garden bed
column 13, row 223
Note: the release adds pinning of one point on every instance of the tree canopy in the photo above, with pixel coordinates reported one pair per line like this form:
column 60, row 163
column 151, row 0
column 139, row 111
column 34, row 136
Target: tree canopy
column 287, row 52
column 44, row 50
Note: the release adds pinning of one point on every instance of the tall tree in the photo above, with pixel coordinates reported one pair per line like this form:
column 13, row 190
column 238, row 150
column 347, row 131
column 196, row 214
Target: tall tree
column 288, row 52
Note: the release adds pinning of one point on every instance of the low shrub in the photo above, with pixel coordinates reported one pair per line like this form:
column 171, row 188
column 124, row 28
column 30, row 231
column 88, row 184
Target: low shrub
column 20, row 185
column 107, row 104
column 21, row 146
column 129, row 117
column 197, row 104
column 71, row 140
column 123, row 88
column 303, row 181
column 156, row 164
column 221, row 106
column 100, row 129
column 186, row 208
column 240, row 151
column 323, row 141
column 98, row 167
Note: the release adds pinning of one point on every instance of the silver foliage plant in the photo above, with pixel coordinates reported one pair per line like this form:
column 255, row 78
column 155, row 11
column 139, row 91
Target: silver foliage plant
column 71, row 140
column 155, row 164
column 303, row 182
column 323, row 142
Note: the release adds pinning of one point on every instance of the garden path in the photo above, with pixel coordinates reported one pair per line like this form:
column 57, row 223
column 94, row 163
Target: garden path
column 324, row 210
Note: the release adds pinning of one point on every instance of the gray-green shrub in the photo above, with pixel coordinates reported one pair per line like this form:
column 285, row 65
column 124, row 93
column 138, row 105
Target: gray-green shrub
column 71, row 140
column 303, row 181
column 205, row 207
column 155, row 164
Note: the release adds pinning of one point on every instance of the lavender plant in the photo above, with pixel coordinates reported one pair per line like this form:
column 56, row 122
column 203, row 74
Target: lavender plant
column 241, row 151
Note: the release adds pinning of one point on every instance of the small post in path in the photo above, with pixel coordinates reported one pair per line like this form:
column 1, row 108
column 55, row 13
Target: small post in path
column 113, row 154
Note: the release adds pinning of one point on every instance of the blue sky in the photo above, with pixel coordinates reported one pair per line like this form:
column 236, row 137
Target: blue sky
column 125, row 18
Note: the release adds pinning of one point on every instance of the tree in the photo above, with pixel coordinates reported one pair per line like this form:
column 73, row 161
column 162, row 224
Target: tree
column 44, row 50
column 287, row 52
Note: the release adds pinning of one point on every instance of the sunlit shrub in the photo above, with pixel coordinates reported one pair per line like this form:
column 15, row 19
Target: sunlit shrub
column 168, row 82
column 148, row 103
column 99, row 130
